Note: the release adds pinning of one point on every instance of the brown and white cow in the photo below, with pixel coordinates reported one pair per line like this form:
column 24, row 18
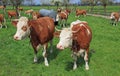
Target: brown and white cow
column 80, row 12
column 29, row 12
column 115, row 16
column 12, row 14
column 78, row 37
column 2, row 21
column 40, row 32
column 63, row 16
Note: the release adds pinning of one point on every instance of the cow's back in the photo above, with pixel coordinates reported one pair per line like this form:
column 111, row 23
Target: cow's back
column 83, row 37
column 42, row 29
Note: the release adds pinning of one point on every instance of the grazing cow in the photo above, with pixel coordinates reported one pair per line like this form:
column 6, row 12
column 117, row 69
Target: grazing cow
column 29, row 12
column 35, row 15
column 63, row 16
column 68, row 10
column 20, row 9
column 115, row 16
column 78, row 37
column 12, row 14
column 2, row 20
column 80, row 12
column 40, row 32
column 50, row 13
column 2, row 7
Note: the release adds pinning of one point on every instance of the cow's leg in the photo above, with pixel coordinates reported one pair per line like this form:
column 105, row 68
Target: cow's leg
column 0, row 25
column 51, row 44
column 75, row 61
column 5, row 23
column 45, row 54
column 86, row 59
column 35, row 47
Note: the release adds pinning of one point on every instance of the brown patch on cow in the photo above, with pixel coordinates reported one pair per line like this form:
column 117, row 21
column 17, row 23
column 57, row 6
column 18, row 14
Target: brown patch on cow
column 57, row 34
column 14, row 23
column 24, row 28
column 81, row 39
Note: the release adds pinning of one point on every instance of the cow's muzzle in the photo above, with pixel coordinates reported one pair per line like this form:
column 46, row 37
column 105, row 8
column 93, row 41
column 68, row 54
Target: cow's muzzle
column 60, row 47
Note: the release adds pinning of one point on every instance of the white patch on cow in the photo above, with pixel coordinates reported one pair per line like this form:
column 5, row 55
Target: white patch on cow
column 76, row 22
column 86, row 61
column 38, row 47
column 112, row 16
column 88, row 32
column 35, row 58
column 80, row 52
column 57, row 17
column 65, row 39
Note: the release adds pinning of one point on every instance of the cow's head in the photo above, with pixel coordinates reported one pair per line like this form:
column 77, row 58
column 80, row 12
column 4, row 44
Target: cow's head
column 23, row 29
column 65, row 39
column 112, row 17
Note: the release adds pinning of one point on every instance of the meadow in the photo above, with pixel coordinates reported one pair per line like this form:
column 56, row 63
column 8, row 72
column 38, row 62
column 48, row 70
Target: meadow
column 16, row 57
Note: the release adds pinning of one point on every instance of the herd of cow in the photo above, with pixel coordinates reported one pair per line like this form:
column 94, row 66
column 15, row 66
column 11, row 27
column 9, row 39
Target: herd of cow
column 41, row 29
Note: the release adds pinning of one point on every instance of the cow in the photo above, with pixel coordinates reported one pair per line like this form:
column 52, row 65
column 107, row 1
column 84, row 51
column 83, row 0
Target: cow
column 115, row 16
column 40, row 32
column 80, row 12
column 49, row 13
column 2, row 21
column 2, row 7
column 35, row 15
column 29, row 12
column 20, row 9
column 78, row 38
column 63, row 16
column 12, row 14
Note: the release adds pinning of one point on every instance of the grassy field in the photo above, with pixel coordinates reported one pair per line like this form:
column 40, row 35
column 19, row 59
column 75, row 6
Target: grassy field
column 16, row 57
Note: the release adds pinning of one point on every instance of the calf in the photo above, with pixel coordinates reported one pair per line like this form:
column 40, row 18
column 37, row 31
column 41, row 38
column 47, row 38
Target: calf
column 12, row 14
column 80, row 12
column 78, row 37
column 63, row 16
column 35, row 15
column 2, row 7
column 40, row 32
column 2, row 21
column 29, row 12
column 115, row 16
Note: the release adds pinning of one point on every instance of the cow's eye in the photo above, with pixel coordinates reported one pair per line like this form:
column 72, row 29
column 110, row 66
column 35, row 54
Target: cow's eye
column 24, row 28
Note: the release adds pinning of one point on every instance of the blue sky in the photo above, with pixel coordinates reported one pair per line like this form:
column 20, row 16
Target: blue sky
column 71, row 1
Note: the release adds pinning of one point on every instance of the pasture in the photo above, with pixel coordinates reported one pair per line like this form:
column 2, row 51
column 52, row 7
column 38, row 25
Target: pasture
column 16, row 57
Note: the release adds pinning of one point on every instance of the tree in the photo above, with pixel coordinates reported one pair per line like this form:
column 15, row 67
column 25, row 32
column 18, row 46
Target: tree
column 92, row 3
column 4, row 2
column 16, row 4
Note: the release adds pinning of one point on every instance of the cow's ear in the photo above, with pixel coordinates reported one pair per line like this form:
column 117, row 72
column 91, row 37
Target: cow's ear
column 14, row 22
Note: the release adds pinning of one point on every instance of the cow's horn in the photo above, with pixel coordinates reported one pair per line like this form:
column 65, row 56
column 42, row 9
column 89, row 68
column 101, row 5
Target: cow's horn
column 76, row 31
column 57, row 29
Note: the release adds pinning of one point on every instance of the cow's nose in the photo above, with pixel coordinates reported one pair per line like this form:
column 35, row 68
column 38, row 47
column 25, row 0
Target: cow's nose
column 60, row 47
column 16, row 37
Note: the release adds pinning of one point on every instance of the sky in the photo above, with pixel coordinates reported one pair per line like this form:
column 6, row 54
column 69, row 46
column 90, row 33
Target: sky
column 71, row 1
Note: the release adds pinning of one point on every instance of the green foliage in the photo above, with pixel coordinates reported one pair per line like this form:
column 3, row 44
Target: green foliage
column 16, row 57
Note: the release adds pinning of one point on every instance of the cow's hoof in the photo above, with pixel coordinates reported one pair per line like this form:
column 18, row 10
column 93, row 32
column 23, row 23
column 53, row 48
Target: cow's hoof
column 46, row 64
column 35, row 60
column 87, row 68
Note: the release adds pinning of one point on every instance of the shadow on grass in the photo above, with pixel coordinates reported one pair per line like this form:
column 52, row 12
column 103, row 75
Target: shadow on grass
column 80, row 61
column 50, row 56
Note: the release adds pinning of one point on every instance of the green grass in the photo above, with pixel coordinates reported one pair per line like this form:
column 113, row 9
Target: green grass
column 16, row 57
